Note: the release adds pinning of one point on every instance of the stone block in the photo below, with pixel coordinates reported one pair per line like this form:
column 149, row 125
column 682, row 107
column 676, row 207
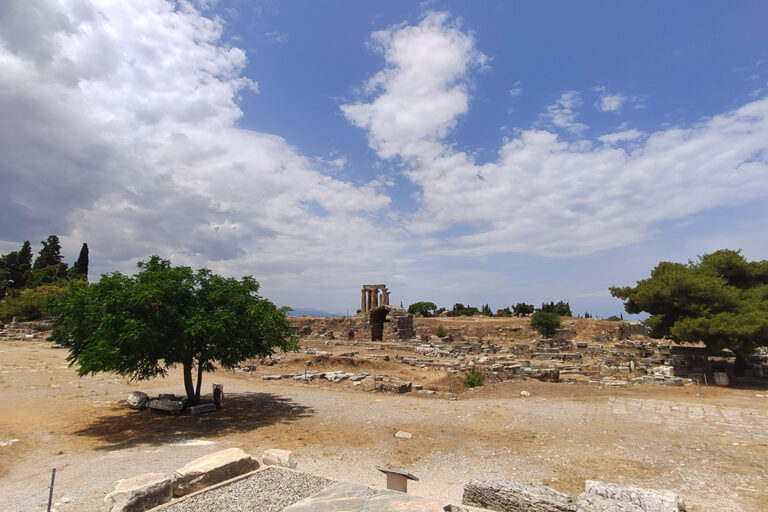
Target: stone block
column 721, row 379
column 348, row 497
column 166, row 405
column 396, row 386
column 602, row 497
column 212, row 469
column 506, row 496
column 137, row 400
column 139, row 493
column 201, row 408
column 282, row 458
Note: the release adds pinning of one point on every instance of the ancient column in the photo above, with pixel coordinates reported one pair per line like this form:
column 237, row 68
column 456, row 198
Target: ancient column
column 386, row 297
column 368, row 300
column 375, row 297
column 362, row 300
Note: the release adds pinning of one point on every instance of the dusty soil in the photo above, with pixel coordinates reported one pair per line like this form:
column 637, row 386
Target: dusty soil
column 713, row 449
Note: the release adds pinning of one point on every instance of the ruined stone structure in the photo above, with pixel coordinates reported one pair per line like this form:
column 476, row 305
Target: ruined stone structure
column 373, row 296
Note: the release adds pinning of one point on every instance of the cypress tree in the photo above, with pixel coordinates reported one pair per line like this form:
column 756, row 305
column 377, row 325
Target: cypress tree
column 50, row 254
column 81, row 265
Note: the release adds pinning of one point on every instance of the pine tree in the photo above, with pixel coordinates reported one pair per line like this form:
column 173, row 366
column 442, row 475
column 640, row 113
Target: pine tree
column 50, row 254
column 81, row 265
column 25, row 257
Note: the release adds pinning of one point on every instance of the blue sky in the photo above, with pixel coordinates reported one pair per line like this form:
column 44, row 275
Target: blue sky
column 474, row 152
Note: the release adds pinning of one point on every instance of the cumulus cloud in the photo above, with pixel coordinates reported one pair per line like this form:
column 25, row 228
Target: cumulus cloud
column 119, row 129
column 562, row 113
column 544, row 194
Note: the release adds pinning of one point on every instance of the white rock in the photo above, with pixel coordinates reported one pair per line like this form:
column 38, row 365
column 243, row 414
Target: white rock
column 212, row 469
column 402, row 434
column 139, row 493
column 282, row 458
column 137, row 400
column 525, row 393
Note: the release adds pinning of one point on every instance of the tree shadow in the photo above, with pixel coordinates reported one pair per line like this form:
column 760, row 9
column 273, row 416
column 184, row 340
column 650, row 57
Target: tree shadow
column 242, row 412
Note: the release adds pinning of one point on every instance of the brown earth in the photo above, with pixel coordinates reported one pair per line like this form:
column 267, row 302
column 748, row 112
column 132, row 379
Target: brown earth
column 712, row 448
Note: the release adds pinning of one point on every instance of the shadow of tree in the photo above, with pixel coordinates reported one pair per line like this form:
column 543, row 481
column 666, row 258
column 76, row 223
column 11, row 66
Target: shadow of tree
column 124, row 428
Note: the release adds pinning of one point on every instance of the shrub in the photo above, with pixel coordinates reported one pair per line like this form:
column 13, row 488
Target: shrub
column 546, row 323
column 440, row 332
column 30, row 304
column 474, row 378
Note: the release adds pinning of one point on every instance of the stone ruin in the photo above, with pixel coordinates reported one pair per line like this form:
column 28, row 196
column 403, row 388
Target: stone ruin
column 394, row 321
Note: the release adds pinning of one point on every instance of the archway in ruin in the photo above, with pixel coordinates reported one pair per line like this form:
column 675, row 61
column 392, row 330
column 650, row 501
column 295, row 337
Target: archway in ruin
column 377, row 318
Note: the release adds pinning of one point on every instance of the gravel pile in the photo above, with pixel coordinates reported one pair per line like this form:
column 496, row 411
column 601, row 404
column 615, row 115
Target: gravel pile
column 269, row 490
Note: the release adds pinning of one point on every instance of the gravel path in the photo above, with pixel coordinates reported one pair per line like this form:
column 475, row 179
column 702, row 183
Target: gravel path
column 269, row 490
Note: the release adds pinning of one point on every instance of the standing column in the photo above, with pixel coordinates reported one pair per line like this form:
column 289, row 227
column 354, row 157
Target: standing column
column 375, row 297
column 362, row 300
column 386, row 297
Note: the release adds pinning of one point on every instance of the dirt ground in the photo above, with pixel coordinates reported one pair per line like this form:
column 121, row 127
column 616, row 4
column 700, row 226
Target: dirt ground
column 712, row 449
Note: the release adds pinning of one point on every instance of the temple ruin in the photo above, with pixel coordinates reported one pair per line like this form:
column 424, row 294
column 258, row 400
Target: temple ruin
column 376, row 310
column 373, row 296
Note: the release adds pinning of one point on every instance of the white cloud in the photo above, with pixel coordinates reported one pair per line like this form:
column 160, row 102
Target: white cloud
column 422, row 90
column 119, row 130
column 562, row 113
column 544, row 194
column 516, row 89
column 611, row 102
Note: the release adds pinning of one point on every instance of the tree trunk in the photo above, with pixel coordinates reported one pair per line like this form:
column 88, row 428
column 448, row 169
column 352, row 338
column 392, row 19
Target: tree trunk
column 199, row 381
column 739, row 365
column 188, row 385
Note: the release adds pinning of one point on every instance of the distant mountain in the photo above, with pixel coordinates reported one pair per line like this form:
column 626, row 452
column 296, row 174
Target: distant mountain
column 313, row 312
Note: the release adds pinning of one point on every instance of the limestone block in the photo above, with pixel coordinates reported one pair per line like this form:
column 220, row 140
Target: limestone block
column 602, row 497
column 507, row 496
column 721, row 379
column 396, row 386
column 166, row 405
column 201, row 408
column 139, row 493
column 402, row 434
column 137, row 400
column 212, row 469
column 282, row 458
column 348, row 497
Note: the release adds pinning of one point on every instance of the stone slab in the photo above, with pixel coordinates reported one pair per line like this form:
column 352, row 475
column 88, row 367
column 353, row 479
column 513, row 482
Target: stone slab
column 201, row 408
column 506, row 496
column 281, row 458
column 139, row 493
column 212, row 469
column 348, row 497
column 603, row 497
column 166, row 405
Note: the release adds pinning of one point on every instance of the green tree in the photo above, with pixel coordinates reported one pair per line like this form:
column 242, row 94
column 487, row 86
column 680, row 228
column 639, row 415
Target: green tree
column 423, row 308
column 720, row 299
column 50, row 254
column 80, row 267
column 486, row 310
column 140, row 326
column 14, row 268
column 523, row 309
column 561, row 308
column 546, row 323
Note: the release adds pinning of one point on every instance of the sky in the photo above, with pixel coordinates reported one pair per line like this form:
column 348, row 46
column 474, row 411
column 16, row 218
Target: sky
column 475, row 152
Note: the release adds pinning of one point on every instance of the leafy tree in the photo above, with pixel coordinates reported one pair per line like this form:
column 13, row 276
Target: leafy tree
column 546, row 323
column 561, row 308
column 720, row 299
column 486, row 310
column 31, row 303
column 523, row 309
column 14, row 268
column 506, row 312
column 81, row 265
column 50, row 254
column 140, row 326
column 614, row 318
column 423, row 308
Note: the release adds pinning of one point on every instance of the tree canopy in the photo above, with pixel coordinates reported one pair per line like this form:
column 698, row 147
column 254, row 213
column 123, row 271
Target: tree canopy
column 423, row 308
column 720, row 299
column 561, row 308
column 140, row 326
column 545, row 322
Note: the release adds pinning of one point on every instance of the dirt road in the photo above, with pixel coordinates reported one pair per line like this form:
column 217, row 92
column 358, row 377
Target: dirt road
column 711, row 449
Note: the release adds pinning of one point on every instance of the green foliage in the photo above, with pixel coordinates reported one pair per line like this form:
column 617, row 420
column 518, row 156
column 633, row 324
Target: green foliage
column 720, row 299
column 506, row 312
column 80, row 268
column 614, row 318
column 560, row 309
column 31, row 303
column 460, row 309
column 440, row 332
column 14, row 268
column 50, row 254
column 546, row 323
column 139, row 326
column 474, row 378
column 422, row 308
column 523, row 309
column 486, row 310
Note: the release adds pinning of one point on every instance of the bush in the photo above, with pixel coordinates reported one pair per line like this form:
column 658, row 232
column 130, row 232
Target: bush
column 474, row 378
column 440, row 332
column 423, row 308
column 522, row 309
column 546, row 323
column 30, row 304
